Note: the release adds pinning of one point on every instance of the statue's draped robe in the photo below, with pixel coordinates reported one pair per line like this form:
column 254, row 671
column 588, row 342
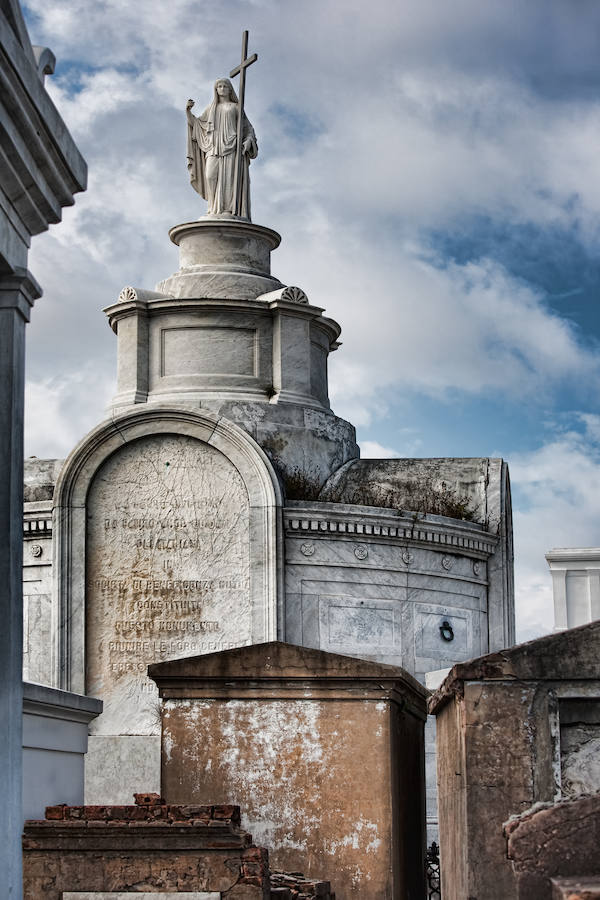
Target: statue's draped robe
column 214, row 134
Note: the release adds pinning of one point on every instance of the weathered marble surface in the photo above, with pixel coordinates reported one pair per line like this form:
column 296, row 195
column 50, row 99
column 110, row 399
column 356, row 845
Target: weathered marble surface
column 222, row 258
column 473, row 490
column 167, row 570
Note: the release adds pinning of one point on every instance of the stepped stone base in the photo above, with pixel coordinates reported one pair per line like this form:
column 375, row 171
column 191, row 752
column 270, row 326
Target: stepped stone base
column 151, row 849
column 147, row 847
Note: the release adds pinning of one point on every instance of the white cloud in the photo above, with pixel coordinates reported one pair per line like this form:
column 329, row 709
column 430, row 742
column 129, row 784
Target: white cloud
column 59, row 412
column 374, row 450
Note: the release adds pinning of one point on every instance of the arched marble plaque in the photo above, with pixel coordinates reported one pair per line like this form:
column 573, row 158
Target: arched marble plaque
column 167, row 570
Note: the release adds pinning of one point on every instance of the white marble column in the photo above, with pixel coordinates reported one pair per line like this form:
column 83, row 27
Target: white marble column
column 17, row 294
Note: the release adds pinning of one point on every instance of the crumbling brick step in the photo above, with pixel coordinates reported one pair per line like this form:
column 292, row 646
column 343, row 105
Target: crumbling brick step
column 294, row 886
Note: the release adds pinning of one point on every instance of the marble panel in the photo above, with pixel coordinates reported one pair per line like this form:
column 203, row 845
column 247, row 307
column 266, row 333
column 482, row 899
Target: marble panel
column 359, row 626
column 208, row 350
column 318, row 370
column 441, row 634
column 168, row 570
column 37, row 624
column 320, row 577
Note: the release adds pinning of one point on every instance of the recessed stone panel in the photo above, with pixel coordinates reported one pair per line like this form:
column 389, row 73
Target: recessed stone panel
column 356, row 626
column 167, row 570
column 442, row 634
column 208, row 350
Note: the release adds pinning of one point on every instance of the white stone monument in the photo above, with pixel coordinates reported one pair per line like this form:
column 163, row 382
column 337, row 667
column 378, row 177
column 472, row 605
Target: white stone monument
column 575, row 585
column 223, row 503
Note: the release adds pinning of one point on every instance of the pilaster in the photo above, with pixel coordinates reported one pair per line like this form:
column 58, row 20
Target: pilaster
column 18, row 291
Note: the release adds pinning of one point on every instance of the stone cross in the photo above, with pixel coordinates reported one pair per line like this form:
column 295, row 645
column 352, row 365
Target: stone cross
column 241, row 71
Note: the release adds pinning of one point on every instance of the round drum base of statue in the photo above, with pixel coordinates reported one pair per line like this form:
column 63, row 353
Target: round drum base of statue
column 222, row 257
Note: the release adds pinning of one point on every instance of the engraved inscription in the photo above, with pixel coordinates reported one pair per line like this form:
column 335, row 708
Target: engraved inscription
column 167, row 570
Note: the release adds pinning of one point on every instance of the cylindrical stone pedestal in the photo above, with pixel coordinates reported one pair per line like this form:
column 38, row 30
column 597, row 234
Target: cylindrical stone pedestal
column 222, row 258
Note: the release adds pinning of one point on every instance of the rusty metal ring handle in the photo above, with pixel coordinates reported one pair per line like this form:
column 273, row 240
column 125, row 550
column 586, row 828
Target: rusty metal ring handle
column 446, row 631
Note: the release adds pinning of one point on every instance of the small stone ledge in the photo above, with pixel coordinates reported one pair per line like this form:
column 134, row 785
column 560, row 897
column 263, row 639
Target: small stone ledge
column 576, row 888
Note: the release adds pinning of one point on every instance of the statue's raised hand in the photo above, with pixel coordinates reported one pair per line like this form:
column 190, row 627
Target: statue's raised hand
column 189, row 105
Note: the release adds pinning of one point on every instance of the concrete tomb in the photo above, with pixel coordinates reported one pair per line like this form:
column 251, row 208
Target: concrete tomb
column 324, row 754
column 514, row 729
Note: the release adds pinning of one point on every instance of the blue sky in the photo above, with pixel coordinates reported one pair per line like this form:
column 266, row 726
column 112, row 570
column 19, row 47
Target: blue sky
column 433, row 170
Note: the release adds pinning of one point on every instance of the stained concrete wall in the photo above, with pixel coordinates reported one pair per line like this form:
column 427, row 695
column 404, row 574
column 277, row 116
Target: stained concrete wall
column 513, row 729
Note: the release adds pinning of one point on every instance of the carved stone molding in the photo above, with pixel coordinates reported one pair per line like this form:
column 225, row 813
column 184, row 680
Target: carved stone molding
column 34, row 528
column 294, row 295
column 445, row 536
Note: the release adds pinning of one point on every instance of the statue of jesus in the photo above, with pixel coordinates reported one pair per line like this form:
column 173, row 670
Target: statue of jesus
column 211, row 151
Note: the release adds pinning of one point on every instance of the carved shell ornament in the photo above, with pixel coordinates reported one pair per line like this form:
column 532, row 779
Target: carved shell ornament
column 128, row 295
column 294, row 295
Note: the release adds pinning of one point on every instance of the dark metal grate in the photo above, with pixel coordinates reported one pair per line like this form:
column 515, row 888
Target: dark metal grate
column 432, row 868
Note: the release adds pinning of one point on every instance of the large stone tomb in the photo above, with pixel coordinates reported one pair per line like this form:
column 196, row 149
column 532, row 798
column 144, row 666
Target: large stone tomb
column 325, row 754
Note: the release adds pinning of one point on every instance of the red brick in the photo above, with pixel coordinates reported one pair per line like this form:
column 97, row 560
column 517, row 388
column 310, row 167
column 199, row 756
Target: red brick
column 74, row 812
column 56, row 812
column 228, row 812
column 149, row 799
column 95, row 813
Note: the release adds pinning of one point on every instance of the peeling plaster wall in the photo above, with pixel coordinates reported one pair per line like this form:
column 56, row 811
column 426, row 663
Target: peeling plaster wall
column 313, row 779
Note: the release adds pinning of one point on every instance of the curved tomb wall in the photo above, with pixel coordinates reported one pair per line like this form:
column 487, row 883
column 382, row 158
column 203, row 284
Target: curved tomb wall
column 375, row 584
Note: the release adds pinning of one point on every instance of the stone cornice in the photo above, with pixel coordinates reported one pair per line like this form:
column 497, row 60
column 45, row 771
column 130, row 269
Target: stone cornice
column 42, row 166
column 37, row 527
column 368, row 523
